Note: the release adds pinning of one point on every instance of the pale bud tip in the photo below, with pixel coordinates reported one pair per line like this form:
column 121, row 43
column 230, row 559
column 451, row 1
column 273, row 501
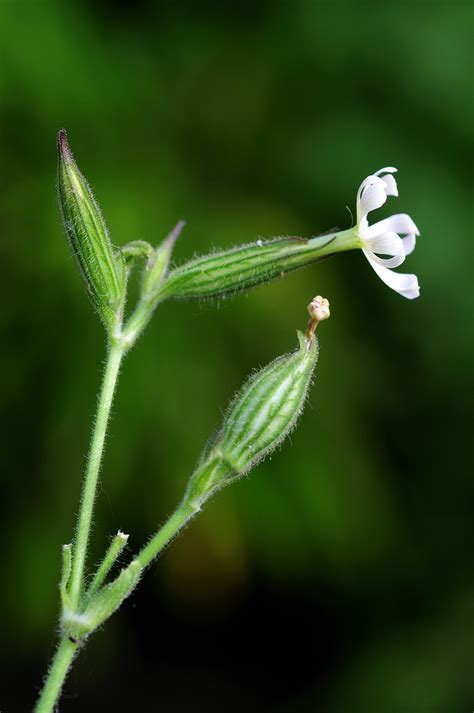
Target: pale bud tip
column 176, row 232
column 63, row 146
column 318, row 308
column 122, row 535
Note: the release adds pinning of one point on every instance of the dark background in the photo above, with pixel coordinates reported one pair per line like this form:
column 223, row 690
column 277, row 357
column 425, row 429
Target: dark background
column 339, row 576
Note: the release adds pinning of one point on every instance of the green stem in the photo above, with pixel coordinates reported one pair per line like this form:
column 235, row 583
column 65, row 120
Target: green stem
column 67, row 647
column 181, row 516
column 138, row 321
column 60, row 665
column 114, row 358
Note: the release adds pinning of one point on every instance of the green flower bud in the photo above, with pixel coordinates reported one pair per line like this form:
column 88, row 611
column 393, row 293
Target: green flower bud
column 103, row 604
column 260, row 417
column 223, row 273
column 268, row 407
column 102, row 268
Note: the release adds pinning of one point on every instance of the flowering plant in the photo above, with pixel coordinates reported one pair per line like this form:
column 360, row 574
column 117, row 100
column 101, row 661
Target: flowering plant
column 259, row 418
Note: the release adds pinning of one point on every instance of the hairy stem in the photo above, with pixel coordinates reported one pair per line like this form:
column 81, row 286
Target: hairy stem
column 67, row 647
column 57, row 673
column 181, row 516
column 114, row 358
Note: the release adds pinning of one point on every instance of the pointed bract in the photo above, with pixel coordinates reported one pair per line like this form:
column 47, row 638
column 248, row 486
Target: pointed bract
column 158, row 263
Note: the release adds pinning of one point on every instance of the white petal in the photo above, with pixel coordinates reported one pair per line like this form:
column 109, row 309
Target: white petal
column 394, row 261
column 387, row 169
column 392, row 189
column 385, row 244
column 363, row 227
column 400, row 223
column 370, row 180
column 411, row 294
column 371, row 196
column 390, row 182
column 409, row 243
column 366, row 182
column 406, row 285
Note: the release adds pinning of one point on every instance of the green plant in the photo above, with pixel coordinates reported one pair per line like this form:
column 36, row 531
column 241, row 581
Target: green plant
column 262, row 413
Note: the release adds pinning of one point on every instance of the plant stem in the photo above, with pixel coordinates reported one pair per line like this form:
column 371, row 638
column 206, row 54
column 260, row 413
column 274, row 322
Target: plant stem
column 57, row 673
column 138, row 321
column 114, row 358
column 170, row 529
column 67, row 648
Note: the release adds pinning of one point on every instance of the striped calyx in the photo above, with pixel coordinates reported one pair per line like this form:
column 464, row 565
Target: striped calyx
column 258, row 420
column 101, row 267
column 223, row 273
column 268, row 407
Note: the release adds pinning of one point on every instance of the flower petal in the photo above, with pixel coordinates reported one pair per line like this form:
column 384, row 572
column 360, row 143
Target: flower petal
column 391, row 185
column 411, row 294
column 392, row 189
column 385, row 244
column 372, row 194
column 400, row 223
column 405, row 284
column 363, row 226
column 394, row 261
column 387, row 169
column 409, row 243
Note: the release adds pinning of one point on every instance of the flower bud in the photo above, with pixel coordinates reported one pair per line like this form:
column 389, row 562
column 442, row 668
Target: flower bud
column 258, row 420
column 318, row 309
column 223, row 273
column 267, row 408
column 101, row 267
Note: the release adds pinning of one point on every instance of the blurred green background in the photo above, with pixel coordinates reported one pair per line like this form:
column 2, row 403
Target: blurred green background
column 339, row 575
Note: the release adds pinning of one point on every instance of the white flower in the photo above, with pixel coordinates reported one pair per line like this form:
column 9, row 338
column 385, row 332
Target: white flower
column 384, row 237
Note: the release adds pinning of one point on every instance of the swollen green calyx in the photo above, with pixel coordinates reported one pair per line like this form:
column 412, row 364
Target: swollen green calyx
column 260, row 417
column 243, row 267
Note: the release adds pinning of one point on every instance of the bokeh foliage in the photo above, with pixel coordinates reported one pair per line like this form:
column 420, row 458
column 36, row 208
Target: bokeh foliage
column 249, row 120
